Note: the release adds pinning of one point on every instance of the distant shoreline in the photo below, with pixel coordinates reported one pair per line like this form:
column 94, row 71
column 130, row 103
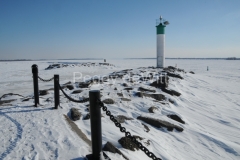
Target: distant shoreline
column 230, row 58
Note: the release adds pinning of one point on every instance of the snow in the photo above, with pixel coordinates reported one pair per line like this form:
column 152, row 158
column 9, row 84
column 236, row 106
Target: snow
column 209, row 104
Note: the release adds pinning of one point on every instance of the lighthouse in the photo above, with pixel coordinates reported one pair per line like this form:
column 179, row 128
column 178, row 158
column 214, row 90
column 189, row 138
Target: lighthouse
column 161, row 24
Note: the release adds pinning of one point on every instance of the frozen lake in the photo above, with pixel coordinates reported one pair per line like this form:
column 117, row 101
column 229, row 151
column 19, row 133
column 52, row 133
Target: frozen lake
column 16, row 77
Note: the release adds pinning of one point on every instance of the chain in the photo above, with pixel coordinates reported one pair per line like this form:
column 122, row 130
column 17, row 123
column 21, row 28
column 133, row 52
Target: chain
column 128, row 134
column 71, row 99
column 46, row 80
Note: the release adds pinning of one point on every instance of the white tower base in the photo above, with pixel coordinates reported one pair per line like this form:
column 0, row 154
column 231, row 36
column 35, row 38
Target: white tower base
column 160, row 50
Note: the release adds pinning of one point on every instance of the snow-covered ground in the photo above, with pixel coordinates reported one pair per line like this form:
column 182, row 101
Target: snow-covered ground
column 209, row 104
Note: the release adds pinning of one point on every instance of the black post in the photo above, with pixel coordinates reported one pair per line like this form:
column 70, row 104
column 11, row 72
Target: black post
column 96, row 126
column 56, row 91
column 35, row 83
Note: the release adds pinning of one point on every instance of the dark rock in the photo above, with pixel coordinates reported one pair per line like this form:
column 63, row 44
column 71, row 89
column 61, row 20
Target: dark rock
column 174, row 75
column 151, row 109
column 26, row 99
column 192, row 72
column 162, row 82
column 6, row 101
column 171, row 101
column 115, row 88
column 180, row 70
column 121, row 118
column 145, row 89
column 125, row 85
column 159, row 97
column 70, row 87
column 111, row 148
column 137, row 137
column 125, row 99
column 76, row 91
column 160, row 123
column 75, row 114
column 128, row 88
column 171, row 67
column 83, row 84
column 87, row 117
column 145, row 78
column 171, row 92
column 176, row 118
column 169, row 70
column 108, row 101
column 43, row 92
column 50, row 99
column 128, row 144
column 120, row 94
column 146, row 127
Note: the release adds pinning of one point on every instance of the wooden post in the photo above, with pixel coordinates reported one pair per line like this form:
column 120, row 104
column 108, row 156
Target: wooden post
column 35, row 84
column 56, row 91
column 96, row 126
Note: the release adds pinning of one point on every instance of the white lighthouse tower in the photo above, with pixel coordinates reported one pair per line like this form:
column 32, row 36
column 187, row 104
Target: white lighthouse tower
column 161, row 24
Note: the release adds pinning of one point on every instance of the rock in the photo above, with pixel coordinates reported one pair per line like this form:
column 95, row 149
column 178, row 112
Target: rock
column 125, row 85
column 125, row 99
column 128, row 144
column 87, row 117
column 50, row 99
column 120, row 94
column 108, row 101
column 151, row 109
column 43, row 92
column 121, row 118
column 75, row 114
column 70, row 87
column 192, row 72
column 171, row 67
column 83, row 85
column 145, row 78
column 171, row 101
column 128, row 88
column 115, row 88
column 6, row 101
column 146, row 127
column 76, row 91
column 138, row 137
column 159, row 97
column 26, row 99
column 176, row 118
column 160, row 123
column 162, row 82
column 174, row 75
column 171, row 92
column 180, row 70
column 111, row 148
column 144, row 89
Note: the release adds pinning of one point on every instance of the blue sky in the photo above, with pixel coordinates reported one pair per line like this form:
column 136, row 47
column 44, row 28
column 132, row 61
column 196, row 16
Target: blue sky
column 55, row 29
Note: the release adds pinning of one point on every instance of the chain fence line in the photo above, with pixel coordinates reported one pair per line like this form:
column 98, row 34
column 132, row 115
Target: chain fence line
column 58, row 87
column 127, row 134
column 71, row 99
column 45, row 80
